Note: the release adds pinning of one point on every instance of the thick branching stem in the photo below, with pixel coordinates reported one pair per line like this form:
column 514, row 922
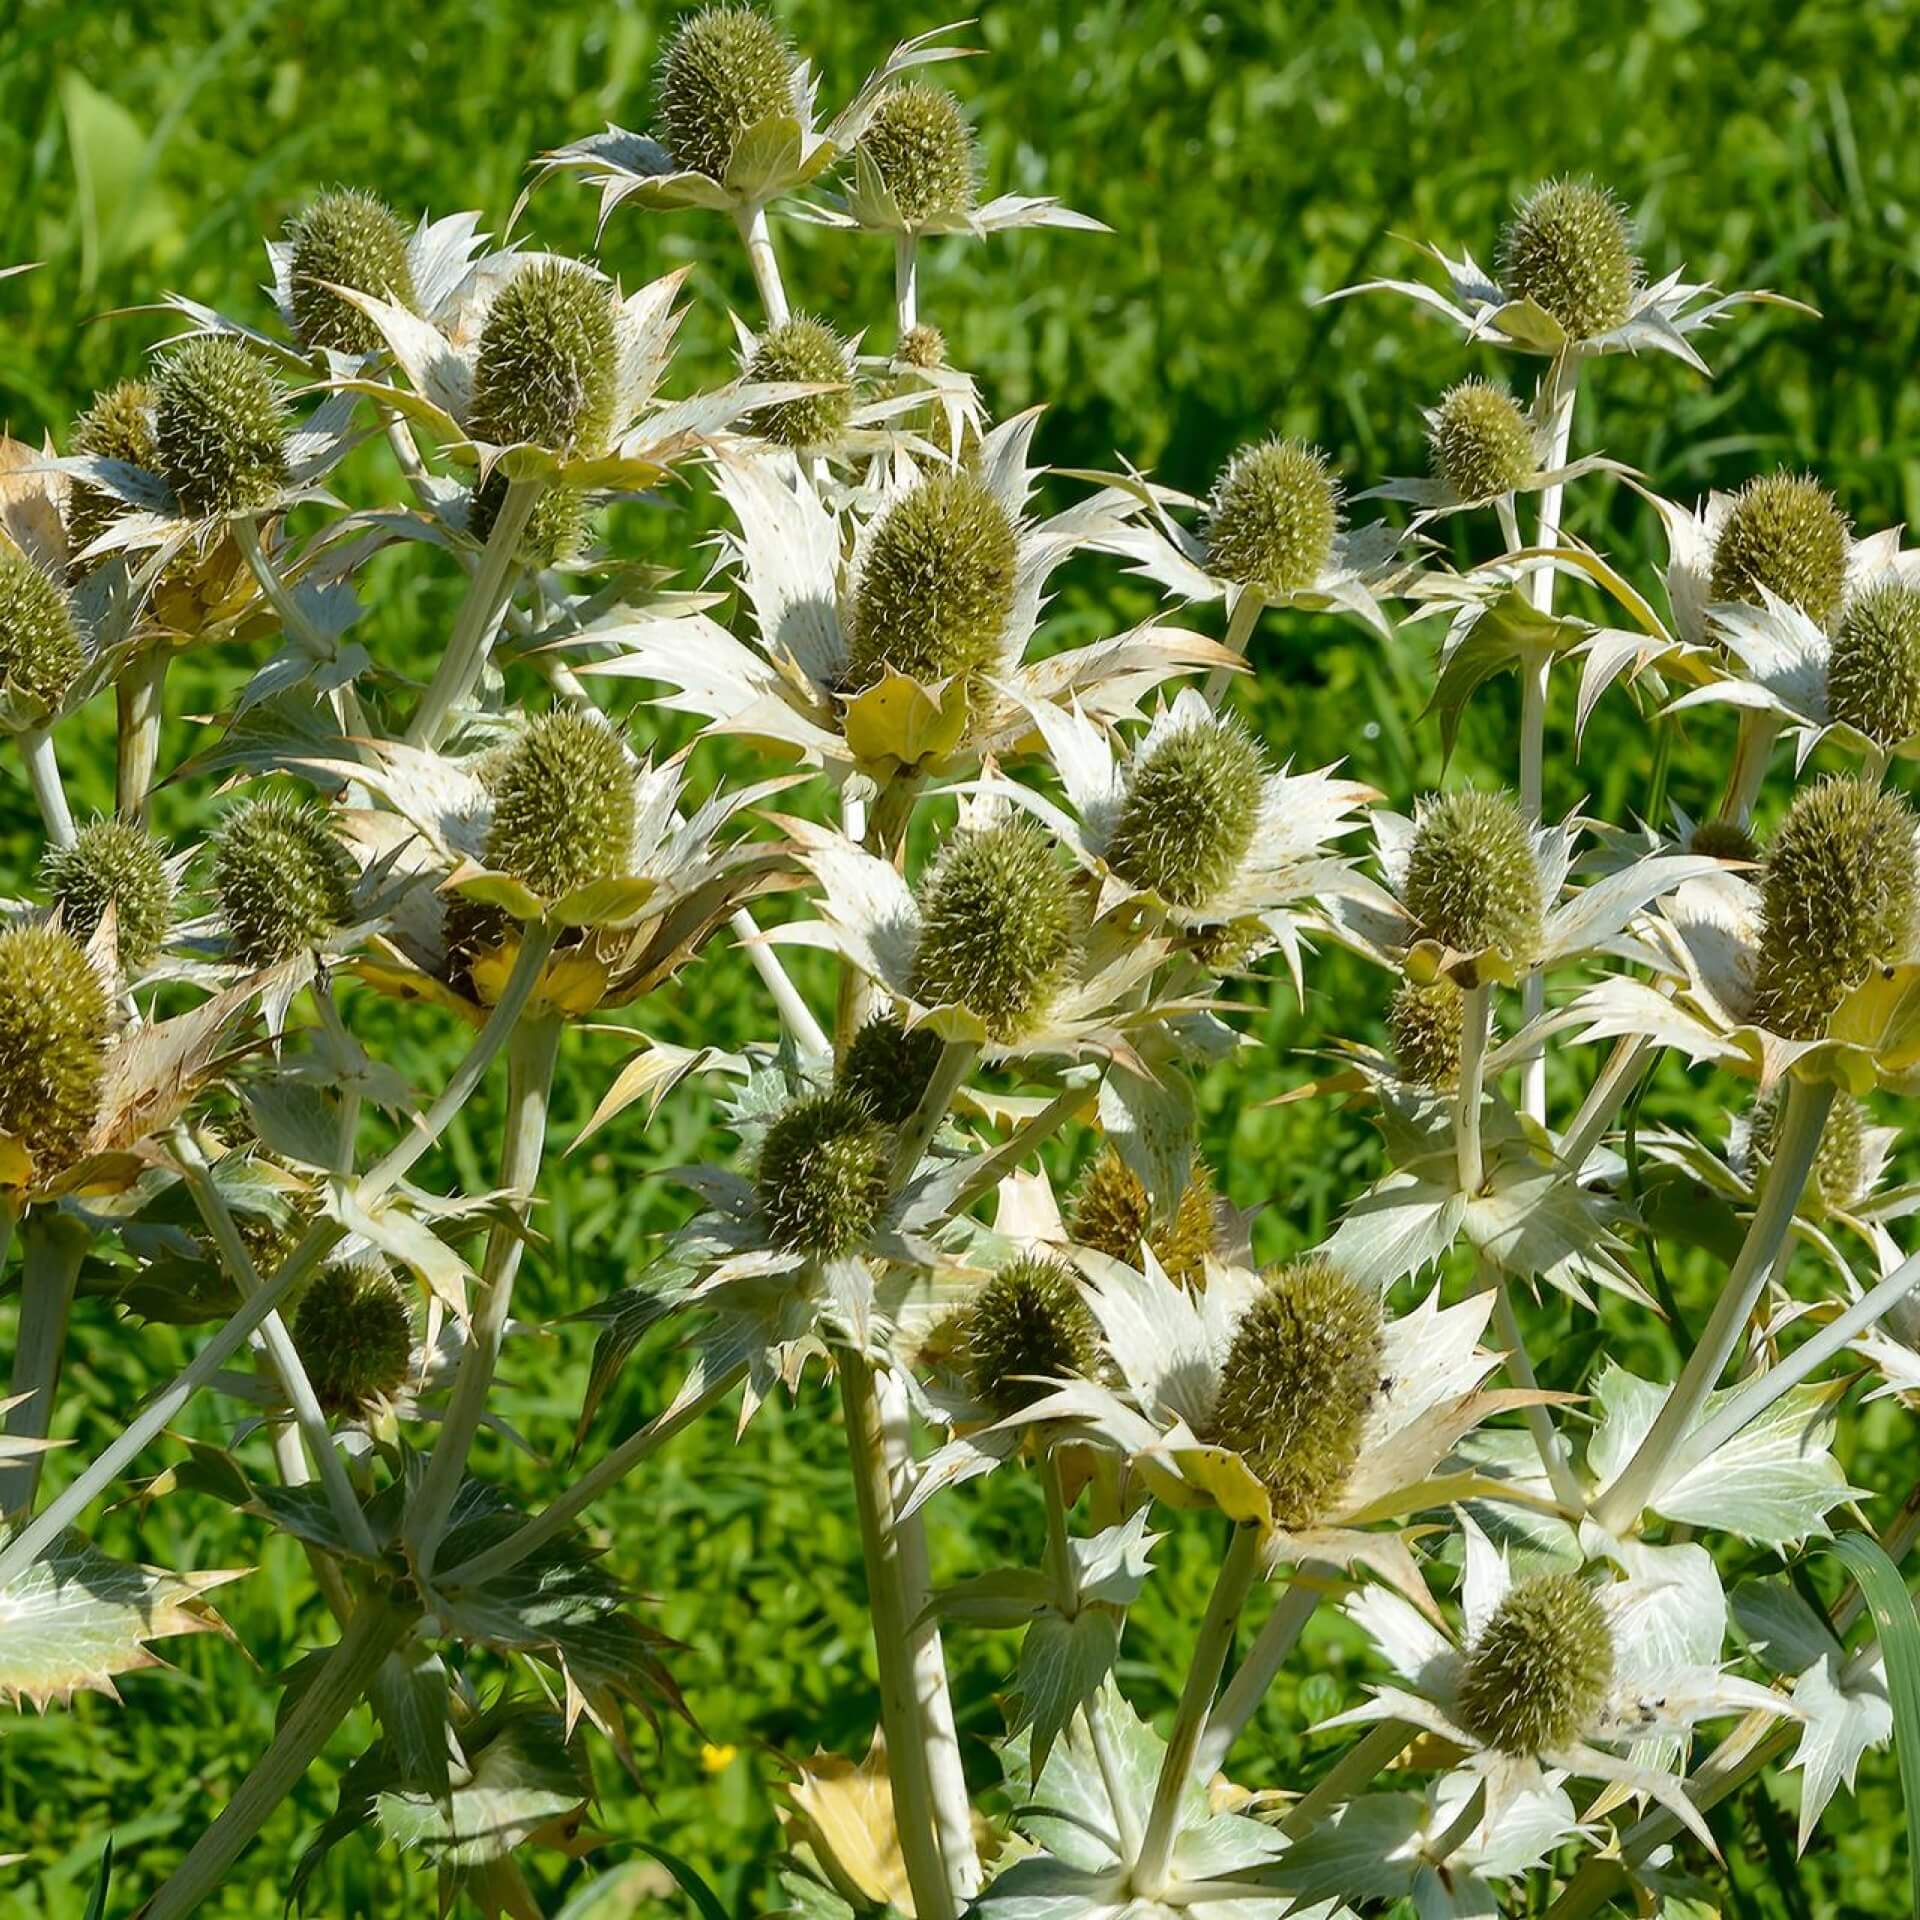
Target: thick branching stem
column 1361, row 1763
column 139, row 697
column 1278, row 1636
column 1752, row 750
column 906, row 282
column 52, row 1246
column 1476, row 1016
column 1626, row 1066
column 955, row 1063
column 1555, row 1455
column 1240, row 625
column 795, row 1015
column 752, row 222
column 43, row 776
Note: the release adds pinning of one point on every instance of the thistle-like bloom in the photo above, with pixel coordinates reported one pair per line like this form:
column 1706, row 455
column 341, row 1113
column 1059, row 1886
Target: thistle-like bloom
column 889, row 1066
column 823, row 1177
column 1425, row 1023
column 54, row 1013
column 345, row 238
column 117, row 426
column 284, row 877
column 1783, row 535
column 220, row 427
column 1027, row 1326
column 1555, row 1669
column 1114, row 1214
column 1473, row 883
column 1569, row 283
column 113, row 863
column 354, row 1334
column 41, row 652
column 802, row 349
column 564, row 805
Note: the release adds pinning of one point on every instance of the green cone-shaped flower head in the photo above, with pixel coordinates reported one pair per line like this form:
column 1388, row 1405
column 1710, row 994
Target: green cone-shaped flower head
column 824, row 1173
column 1836, row 901
column 1026, row 1326
column 113, row 862
column 1723, row 840
column 1873, row 671
column 547, row 370
column 1480, row 441
column 889, row 1067
column 999, row 927
column 1567, row 249
column 40, row 650
column 936, row 583
column 354, row 1333
column 349, row 239
column 284, row 879
column 563, row 806
column 803, row 349
column 1839, row 1165
column 1273, row 517
column 1191, row 806
column 220, row 424
column 556, row 529
column 1425, row 1025
column 922, row 148
column 1297, row 1384
column 1113, row 1213
column 1473, row 877
column 118, row 426
column 726, row 69
column 1784, row 532
column 922, row 346
column 1541, row 1668
column 53, row 1036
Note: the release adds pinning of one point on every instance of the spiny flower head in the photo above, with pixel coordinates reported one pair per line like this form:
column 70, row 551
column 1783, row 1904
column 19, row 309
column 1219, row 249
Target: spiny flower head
column 889, row 1066
column 922, row 148
column 1113, row 1213
column 1480, row 441
column 936, row 584
column 726, row 69
column 1272, row 518
column 1836, row 901
column 802, row 349
column 1028, row 1320
column 350, row 239
column 1191, row 806
column 1425, row 1025
column 1297, row 1384
column 556, row 529
column 113, row 862
column 922, row 346
column 1723, row 840
column 1840, row 1162
column 1473, row 877
column 53, row 1035
column 117, row 426
column 1567, row 249
column 999, row 927
column 40, row 649
column 563, row 807
column 284, row 879
column 546, row 371
column 1541, row 1668
column 824, row 1173
column 220, row 425
column 1784, row 532
column 1873, row 670
column 354, row 1333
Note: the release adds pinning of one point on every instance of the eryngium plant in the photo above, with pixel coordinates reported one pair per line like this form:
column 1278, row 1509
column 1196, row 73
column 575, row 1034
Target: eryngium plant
column 1054, row 885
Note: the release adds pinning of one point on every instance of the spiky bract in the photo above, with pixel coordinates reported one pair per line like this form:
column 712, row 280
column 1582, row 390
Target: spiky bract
column 824, row 1173
column 922, row 148
column 1000, row 927
column 922, row 346
column 547, row 369
column 1272, row 519
column 1473, row 876
column 40, row 651
column 1723, row 840
column 1113, row 1213
column 1026, row 1326
column 1541, row 1668
column 889, row 1067
column 563, row 805
column 1839, row 1165
column 1836, row 901
column 53, row 1033
column 117, row 426
column 284, row 878
column 354, row 1334
column 936, row 583
column 1297, row 1384
column 113, row 862
column 1480, row 441
column 726, row 69
column 802, row 349
column 220, row 426
column 350, row 239
column 1567, row 249
column 1191, row 806
column 1425, row 1025
column 1873, row 670
column 1784, row 532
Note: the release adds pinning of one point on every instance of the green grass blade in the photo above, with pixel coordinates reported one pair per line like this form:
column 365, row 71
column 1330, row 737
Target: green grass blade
column 691, row 1884
column 97, row 1906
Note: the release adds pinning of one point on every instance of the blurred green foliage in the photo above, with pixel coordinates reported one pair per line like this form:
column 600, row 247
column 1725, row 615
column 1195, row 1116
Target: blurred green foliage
column 1248, row 156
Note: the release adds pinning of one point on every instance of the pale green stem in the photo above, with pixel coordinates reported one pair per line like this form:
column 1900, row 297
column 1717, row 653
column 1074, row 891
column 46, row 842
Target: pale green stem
column 347, row 1125
column 1753, row 749
column 140, row 702
column 1240, row 625
column 1476, row 1015
column 1632, row 1055
column 1113, row 1778
column 320, row 1240
column 372, row 1634
column 294, row 1472
column 293, row 623
column 1066, row 1588
column 752, row 222
column 992, row 1166
column 52, row 1246
column 795, row 1015
column 906, row 283
column 955, row 1063
column 530, row 1060
column 1460, row 1828
column 1237, row 1570
column 43, row 776
column 1278, row 1636
column 1547, row 1439
column 9, row 1219
column 458, row 673
column 1360, row 1764
column 1769, row 1241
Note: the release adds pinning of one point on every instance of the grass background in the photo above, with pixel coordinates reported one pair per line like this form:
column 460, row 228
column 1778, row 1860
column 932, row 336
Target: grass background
column 1248, row 156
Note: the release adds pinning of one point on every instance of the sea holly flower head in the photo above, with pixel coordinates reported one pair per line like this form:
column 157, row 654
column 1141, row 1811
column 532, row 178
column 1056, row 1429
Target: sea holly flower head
column 1114, row 1214
column 889, row 1065
column 41, row 651
column 354, row 1332
column 114, row 865
column 55, row 1015
column 803, row 349
column 1026, row 1326
column 347, row 238
column 118, row 425
column 284, row 877
column 1424, row 1023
